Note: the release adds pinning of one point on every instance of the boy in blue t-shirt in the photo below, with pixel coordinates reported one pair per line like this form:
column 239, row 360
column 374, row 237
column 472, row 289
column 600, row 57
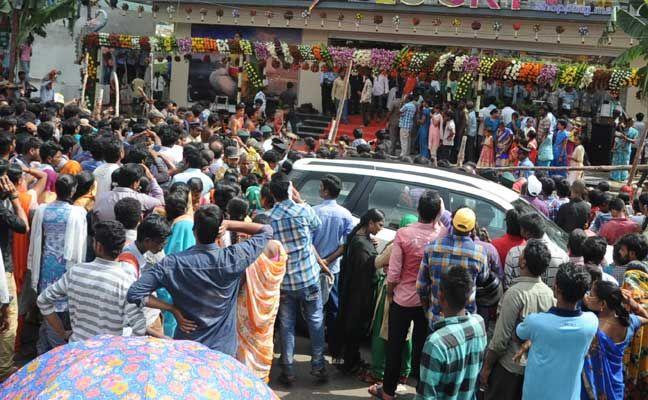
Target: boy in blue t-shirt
column 559, row 340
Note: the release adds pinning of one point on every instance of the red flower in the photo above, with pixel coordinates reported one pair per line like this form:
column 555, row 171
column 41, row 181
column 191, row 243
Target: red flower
column 314, row 67
column 415, row 21
column 517, row 26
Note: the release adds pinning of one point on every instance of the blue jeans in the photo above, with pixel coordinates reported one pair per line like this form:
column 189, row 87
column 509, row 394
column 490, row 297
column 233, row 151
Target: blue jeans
column 332, row 308
column 309, row 300
column 345, row 111
column 47, row 338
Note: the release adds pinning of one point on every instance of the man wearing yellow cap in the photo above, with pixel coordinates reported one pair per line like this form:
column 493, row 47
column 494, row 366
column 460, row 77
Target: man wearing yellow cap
column 457, row 248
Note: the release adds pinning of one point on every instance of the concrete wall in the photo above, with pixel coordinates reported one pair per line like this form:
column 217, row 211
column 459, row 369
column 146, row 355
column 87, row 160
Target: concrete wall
column 180, row 70
column 309, row 83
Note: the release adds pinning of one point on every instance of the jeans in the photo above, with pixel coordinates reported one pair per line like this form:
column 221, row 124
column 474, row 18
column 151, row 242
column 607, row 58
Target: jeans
column 345, row 111
column 47, row 338
column 405, row 141
column 400, row 319
column 24, row 66
column 309, row 300
column 8, row 337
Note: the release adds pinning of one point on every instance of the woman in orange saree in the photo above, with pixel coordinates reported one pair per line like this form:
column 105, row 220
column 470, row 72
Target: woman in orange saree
column 257, row 306
column 636, row 356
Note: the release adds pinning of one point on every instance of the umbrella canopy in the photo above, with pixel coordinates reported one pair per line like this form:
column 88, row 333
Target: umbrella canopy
column 134, row 368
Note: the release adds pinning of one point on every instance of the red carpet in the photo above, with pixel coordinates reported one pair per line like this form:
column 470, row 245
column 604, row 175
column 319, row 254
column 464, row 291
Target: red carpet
column 355, row 121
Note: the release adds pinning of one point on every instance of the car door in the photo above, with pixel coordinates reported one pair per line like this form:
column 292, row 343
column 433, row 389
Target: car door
column 489, row 215
column 308, row 185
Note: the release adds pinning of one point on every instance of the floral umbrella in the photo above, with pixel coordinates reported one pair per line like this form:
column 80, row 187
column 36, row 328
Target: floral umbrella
column 134, row 368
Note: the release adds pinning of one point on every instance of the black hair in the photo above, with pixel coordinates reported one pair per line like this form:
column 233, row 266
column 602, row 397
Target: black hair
column 594, row 249
column 67, row 142
column 192, row 157
column 223, row 193
column 563, row 188
column 237, row 208
column 357, row 133
column 611, row 294
column 25, row 143
column 153, row 227
column 45, row 131
column 373, row 215
column 636, row 243
column 175, row 205
column 95, row 146
column 262, row 219
column 456, row 284
column 532, row 224
column 128, row 211
column 512, row 222
column 207, row 221
column 128, row 174
column 168, row 135
column 112, row 149
column 116, row 124
column 111, row 235
column 49, row 150
column 279, row 185
column 271, row 156
column 179, row 187
column 603, row 186
column 575, row 242
column 429, row 206
column 267, row 194
column 536, row 256
column 310, row 143
column 14, row 172
column 573, row 281
column 85, row 181
column 332, row 185
column 195, row 185
column 247, row 181
column 548, row 186
column 137, row 154
column 625, row 197
column 65, row 187
column 6, row 141
column 617, row 204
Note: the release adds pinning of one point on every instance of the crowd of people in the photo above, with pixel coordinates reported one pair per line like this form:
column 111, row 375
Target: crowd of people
column 185, row 224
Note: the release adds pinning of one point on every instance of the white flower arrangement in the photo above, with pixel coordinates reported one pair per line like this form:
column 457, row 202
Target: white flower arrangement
column 271, row 49
column 587, row 78
column 459, row 63
column 362, row 58
column 222, row 46
column 513, row 70
column 443, row 59
column 286, row 51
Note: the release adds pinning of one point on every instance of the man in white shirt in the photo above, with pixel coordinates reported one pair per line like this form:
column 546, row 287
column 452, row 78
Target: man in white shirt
column 170, row 147
column 261, row 96
column 379, row 94
column 158, row 86
column 113, row 152
column 194, row 162
column 507, row 114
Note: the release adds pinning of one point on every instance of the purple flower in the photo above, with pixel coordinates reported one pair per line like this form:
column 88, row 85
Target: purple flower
column 471, row 64
column 261, row 51
column 341, row 56
column 547, row 75
column 184, row 45
column 382, row 59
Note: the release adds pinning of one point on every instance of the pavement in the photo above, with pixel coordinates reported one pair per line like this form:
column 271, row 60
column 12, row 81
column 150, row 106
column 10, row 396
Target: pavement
column 339, row 386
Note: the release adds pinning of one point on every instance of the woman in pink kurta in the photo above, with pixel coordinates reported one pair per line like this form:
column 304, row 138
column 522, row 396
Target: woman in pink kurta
column 435, row 131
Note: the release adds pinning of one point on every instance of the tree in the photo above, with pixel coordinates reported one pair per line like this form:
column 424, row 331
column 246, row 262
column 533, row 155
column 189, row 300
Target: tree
column 32, row 17
column 635, row 25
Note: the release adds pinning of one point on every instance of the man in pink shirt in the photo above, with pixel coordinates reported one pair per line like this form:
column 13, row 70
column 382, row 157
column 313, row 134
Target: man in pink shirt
column 405, row 305
column 619, row 225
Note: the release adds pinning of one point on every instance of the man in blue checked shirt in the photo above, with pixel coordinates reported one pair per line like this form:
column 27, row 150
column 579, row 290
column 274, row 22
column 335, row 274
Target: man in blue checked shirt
column 406, row 124
column 293, row 224
column 456, row 248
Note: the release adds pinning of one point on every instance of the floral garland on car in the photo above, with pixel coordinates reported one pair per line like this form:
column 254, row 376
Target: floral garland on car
column 403, row 62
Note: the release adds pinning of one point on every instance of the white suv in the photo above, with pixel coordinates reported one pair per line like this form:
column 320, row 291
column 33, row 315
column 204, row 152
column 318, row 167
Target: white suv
column 395, row 188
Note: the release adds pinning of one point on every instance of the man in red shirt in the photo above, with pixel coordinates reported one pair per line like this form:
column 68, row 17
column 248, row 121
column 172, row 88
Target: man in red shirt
column 619, row 225
column 512, row 237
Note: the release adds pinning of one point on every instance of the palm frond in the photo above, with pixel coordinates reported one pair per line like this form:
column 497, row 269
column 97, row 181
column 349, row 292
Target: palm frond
column 633, row 26
column 39, row 18
column 628, row 55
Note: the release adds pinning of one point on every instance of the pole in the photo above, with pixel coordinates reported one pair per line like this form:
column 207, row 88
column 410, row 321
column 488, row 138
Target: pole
column 239, row 77
column 96, row 111
column 637, row 157
column 115, row 80
column 85, row 80
column 338, row 116
column 599, row 168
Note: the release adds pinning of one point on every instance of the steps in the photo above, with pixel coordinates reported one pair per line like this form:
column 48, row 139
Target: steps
column 311, row 125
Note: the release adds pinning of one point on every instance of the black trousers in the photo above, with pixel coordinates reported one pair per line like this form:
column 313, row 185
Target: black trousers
column 400, row 319
column 471, row 149
column 365, row 109
column 444, row 152
column 327, row 101
column 503, row 385
column 378, row 108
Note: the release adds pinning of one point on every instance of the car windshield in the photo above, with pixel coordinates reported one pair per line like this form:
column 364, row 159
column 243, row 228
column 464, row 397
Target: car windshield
column 552, row 230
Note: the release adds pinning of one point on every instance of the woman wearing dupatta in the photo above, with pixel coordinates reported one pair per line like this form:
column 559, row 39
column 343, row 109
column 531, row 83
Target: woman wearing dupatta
column 257, row 306
column 622, row 149
column 423, row 130
column 635, row 361
column 503, row 145
column 434, row 134
column 357, row 281
column 560, row 158
column 603, row 368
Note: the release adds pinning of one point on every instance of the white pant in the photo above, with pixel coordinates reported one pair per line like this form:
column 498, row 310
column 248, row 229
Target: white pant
column 405, row 141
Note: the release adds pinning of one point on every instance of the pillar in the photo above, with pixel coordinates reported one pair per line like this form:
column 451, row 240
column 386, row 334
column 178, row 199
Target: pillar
column 180, row 70
column 309, row 89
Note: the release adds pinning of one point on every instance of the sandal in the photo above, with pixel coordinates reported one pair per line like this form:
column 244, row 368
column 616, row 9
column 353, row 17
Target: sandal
column 377, row 392
column 367, row 377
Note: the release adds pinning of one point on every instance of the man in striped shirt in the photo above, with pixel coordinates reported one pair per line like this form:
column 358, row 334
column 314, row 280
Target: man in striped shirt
column 96, row 291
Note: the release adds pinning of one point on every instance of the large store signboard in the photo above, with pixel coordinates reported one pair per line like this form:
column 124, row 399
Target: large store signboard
column 554, row 6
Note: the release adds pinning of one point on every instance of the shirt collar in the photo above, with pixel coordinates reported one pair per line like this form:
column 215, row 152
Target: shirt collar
column 561, row 312
column 443, row 322
column 529, row 279
column 104, row 262
column 208, row 247
column 329, row 202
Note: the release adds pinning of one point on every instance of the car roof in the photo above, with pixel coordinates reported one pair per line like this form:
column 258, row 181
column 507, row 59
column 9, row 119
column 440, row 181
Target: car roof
column 439, row 177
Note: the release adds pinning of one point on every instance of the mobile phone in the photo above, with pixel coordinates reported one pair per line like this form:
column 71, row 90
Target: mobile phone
column 290, row 190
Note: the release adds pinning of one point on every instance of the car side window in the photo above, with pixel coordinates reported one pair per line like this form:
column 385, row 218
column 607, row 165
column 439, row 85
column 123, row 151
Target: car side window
column 310, row 188
column 395, row 199
column 489, row 216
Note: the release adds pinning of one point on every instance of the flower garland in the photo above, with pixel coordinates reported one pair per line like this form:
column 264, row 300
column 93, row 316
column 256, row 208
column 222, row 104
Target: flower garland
column 547, row 75
column 588, row 76
column 464, row 85
column 397, row 62
column 253, row 76
column 443, row 59
column 362, row 58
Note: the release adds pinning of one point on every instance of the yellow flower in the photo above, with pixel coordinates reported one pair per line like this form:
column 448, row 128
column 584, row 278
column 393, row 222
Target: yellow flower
column 151, row 393
column 119, row 388
column 33, row 366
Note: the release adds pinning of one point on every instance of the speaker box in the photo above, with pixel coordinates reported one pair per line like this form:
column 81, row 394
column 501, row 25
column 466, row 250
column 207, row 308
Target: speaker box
column 599, row 146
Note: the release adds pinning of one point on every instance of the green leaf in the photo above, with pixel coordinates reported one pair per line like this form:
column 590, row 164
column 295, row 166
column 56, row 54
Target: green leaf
column 631, row 25
column 631, row 54
column 5, row 7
